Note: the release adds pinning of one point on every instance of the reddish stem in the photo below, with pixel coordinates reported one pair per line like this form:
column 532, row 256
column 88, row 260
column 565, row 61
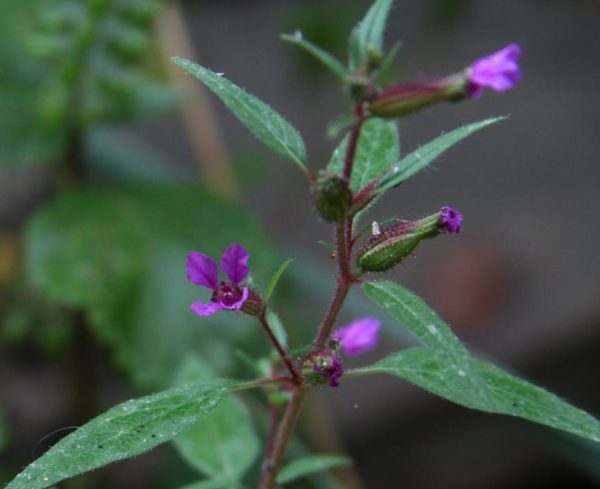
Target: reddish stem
column 296, row 377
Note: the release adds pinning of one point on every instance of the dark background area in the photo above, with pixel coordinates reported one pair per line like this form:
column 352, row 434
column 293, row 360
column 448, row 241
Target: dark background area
column 520, row 285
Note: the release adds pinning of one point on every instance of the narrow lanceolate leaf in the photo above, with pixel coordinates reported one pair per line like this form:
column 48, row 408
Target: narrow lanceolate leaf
column 277, row 328
column 378, row 148
column 309, row 465
column 124, row 431
column 276, row 276
column 266, row 124
column 222, row 445
column 506, row 394
column 323, row 56
column 368, row 35
column 428, row 327
column 419, row 159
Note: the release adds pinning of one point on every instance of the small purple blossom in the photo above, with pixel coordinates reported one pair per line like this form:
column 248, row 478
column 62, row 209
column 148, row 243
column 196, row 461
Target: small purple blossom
column 450, row 220
column 203, row 271
column 498, row 71
column 359, row 337
column 329, row 366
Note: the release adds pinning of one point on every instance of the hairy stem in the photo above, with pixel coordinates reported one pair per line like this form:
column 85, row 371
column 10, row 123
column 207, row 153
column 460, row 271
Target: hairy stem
column 297, row 378
column 275, row 458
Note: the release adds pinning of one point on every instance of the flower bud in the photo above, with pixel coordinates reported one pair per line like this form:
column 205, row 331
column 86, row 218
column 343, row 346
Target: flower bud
column 404, row 99
column 254, row 304
column 324, row 366
column 332, row 196
column 392, row 244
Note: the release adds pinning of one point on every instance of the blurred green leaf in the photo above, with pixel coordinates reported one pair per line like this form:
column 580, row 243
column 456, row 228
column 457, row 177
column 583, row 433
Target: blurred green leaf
column 323, row 56
column 120, row 255
column 276, row 276
column 124, row 431
column 505, row 394
column 419, row 159
column 378, row 147
column 277, row 328
column 428, row 327
column 210, row 484
column 309, row 465
column 223, row 445
column 268, row 126
column 367, row 37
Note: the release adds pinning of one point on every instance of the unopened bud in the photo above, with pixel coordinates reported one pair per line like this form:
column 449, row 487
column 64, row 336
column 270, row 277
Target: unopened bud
column 395, row 242
column 254, row 304
column 324, row 366
column 407, row 98
column 332, row 196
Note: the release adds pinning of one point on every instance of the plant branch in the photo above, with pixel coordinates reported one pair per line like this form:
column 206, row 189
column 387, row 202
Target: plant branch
column 297, row 378
column 274, row 460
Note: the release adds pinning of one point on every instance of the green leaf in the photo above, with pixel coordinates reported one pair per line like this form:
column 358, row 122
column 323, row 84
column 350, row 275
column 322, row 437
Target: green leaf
column 428, row 327
column 309, row 465
column 276, row 276
column 211, row 484
column 506, row 394
column 277, row 328
column 368, row 35
column 388, row 60
column 268, row 126
column 419, row 159
column 378, row 147
column 124, row 431
column 222, row 445
column 323, row 56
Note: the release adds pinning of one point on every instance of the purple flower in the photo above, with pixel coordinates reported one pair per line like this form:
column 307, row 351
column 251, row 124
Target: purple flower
column 359, row 337
column 203, row 271
column 329, row 366
column 498, row 71
column 450, row 220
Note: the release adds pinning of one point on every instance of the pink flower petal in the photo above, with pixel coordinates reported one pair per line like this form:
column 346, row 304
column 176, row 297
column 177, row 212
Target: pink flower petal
column 202, row 270
column 206, row 309
column 235, row 263
column 359, row 337
column 499, row 71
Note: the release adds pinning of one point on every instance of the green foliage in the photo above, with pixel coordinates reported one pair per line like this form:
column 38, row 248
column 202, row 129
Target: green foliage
column 210, row 484
column 419, row 159
column 223, row 445
column 277, row 328
column 505, row 393
column 21, row 141
column 73, row 63
column 429, row 328
column 366, row 40
column 276, row 276
column 124, row 431
column 323, row 56
column 378, row 147
column 120, row 256
column 96, row 56
column 268, row 126
column 445, row 368
column 310, row 465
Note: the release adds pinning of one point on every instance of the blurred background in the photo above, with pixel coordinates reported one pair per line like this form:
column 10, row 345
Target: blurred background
column 113, row 165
